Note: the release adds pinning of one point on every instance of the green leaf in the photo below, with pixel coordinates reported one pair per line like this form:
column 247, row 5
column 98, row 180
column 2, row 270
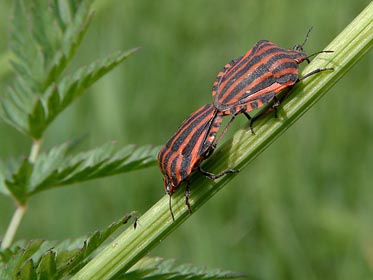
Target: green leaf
column 57, row 169
column 15, row 107
column 42, row 45
column 59, row 96
column 74, row 20
column 21, row 178
column 158, row 268
column 45, row 37
column 47, row 267
column 90, row 245
column 28, row 62
column 28, row 271
column 18, row 185
column 20, row 263
column 51, row 259
column 7, row 168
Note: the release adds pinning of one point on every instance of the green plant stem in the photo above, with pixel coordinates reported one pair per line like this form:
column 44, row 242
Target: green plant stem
column 13, row 226
column 21, row 208
column 350, row 45
column 35, row 148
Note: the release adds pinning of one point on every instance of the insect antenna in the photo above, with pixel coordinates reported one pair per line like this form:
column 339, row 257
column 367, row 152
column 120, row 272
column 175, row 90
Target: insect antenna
column 298, row 47
column 307, row 35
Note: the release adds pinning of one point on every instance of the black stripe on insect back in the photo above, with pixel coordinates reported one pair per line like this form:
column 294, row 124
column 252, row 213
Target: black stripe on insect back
column 286, row 65
column 252, row 76
column 191, row 126
column 193, row 139
column 256, row 58
column 258, row 72
column 185, row 129
column 251, row 70
column 174, row 176
column 182, row 134
column 184, row 167
column 250, row 66
column 190, row 153
column 265, row 83
column 243, row 60
column 281, row 56
column 192, row 118
column 197, row 147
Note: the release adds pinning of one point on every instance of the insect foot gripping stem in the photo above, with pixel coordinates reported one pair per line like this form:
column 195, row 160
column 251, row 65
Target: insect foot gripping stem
column 217, row 176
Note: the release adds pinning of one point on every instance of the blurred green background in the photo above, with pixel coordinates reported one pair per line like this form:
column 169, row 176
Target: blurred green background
column 302, row 210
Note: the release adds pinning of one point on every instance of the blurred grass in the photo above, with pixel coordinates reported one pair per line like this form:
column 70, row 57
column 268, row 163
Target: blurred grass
column 302, row 210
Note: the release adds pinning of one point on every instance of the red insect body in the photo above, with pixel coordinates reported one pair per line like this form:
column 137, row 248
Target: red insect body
column 193, row 142
column 255, row 79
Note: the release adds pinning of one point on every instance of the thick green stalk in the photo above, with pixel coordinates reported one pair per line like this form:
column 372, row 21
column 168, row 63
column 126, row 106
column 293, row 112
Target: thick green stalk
column 242, row 148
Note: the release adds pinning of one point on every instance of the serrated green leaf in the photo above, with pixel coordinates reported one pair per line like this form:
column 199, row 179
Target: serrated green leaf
column 75, row 22
column 105, row 161
column 57, row 98
column 5, row 255
column 40, row 28
column 47, row 267
column 13, row 109
column 157, row 268
column 32, row 247
column 24, row 46
column 19, row 262
column 46, row 168
column 91, row 244
column 7, row 168
column 28, row 271
column 21, row 179
column 43, row 41
column 45, row 31
column 18, row 185
column 57, row 169
column 51, row 259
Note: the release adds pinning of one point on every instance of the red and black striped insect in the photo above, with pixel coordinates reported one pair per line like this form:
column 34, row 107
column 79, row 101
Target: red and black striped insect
column 255, row 79
column 193, row 142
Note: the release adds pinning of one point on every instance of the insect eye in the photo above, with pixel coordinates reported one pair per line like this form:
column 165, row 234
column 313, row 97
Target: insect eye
column 166, row 184
column 169, row 187
column 298, row 48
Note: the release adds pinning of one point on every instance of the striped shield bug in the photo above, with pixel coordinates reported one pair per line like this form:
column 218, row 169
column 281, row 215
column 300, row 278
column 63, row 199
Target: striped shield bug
column 258, row 77
column 193, row 142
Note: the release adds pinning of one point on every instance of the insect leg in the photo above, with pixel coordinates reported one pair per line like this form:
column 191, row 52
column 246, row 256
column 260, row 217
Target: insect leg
column 136, row 222
column 276, row 104
column 187, row 195
column 170, row 207
column 225, row 130
column 216, row 176
column 251, row 120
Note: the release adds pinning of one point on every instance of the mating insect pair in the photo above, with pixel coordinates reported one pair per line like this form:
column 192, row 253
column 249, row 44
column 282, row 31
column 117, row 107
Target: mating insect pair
column 245, row 84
